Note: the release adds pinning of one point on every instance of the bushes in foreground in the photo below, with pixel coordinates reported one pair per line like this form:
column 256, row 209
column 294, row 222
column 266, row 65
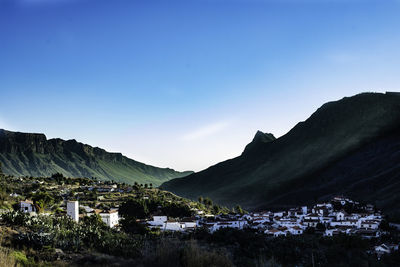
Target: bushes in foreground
column 61, row 232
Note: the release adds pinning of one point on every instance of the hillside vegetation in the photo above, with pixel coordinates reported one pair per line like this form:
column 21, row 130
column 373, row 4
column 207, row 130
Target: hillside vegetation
column 26, row 154
column 350, row 146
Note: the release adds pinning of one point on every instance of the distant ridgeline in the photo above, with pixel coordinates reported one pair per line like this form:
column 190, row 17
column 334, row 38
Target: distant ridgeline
column 350, row 146
column 28, row 154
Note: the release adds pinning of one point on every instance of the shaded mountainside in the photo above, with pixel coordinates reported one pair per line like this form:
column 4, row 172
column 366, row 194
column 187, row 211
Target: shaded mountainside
column 26, row 154
column 350, row 146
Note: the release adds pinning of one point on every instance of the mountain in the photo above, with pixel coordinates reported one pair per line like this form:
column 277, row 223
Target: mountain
column 350, row 146
column 28, row 154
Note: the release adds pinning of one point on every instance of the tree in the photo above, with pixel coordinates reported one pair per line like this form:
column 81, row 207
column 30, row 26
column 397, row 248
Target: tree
column 320, row 227
column 216, row 209
column 200, row 199
column 1, row 170
column 42, row 200
column 238, row 209
column 176, row 210
column 136, row 209
column 57, row 176
column 131, row 210
column 208, row 202
column 384, row 226
column 130, row 225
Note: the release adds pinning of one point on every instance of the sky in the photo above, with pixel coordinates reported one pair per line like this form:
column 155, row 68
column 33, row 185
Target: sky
column 186, row 84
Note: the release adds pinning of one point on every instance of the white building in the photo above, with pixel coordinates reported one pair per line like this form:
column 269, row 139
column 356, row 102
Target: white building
column 27, row 206
column 158, row 220
column 330, row 232
column 279, row 214
column 73, row 210
column 110, row 217
column 240, row 224
column 369, row 224
column 173, row 225
column 87, row 208
column 341, row 215
column 386, row 248
column 190, row 223
column 304, row 209
column 296, row 230
column 275, row 232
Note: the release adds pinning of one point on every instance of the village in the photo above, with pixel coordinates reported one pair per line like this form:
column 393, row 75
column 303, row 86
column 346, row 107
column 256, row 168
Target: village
column 340, row 216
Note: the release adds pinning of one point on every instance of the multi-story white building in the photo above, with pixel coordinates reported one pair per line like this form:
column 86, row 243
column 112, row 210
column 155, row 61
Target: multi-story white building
column 73, row 210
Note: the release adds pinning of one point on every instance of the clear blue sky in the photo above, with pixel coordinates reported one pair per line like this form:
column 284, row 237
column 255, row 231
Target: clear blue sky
column 186, row 84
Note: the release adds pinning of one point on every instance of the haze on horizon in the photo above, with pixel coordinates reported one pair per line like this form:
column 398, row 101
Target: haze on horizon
column 186, row 84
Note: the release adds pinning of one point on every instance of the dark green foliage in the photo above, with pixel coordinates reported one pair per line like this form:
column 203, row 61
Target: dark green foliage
column 24, row 154
column 132, row 226
column 42, row 200
column 15, row 218
column 208, row 202
column 238, row 209
column 62, row 232
column 58, row 176
column 141, row 209
column 133, row 208
column 216, row 209
column 254, row 249
column 320, row 227
column 346, row 147
column 176, row 210
column 384, row 226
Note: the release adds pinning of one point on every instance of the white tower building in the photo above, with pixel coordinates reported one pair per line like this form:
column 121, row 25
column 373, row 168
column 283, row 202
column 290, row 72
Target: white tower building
column 304, row 209
column 73, row 210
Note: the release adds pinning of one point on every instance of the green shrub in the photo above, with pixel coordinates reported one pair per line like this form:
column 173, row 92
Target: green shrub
column 20, row 257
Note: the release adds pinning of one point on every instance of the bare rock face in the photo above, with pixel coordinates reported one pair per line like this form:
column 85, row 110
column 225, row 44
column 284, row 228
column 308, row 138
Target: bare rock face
column 14, row 142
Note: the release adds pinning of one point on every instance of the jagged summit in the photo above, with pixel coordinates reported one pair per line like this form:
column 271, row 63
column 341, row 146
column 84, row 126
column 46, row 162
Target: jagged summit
column 263, row 137
column 259, row 138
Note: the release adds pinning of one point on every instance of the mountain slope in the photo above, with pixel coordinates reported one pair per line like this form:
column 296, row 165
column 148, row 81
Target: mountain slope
column 283, row 171
column 29, row 154
column 371, row 174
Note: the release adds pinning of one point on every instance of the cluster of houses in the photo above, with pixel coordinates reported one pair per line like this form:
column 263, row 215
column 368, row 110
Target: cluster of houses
column 109, row 217
column 329, row 219
column 163, row 223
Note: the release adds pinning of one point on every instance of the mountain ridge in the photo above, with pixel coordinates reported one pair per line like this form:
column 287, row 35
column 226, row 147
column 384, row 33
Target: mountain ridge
column 32, row 154
column 260, row 174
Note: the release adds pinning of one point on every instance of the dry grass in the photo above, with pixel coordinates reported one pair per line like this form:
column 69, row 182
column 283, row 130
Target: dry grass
column 6, row 258
column 176, row 253
column 195, row 256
